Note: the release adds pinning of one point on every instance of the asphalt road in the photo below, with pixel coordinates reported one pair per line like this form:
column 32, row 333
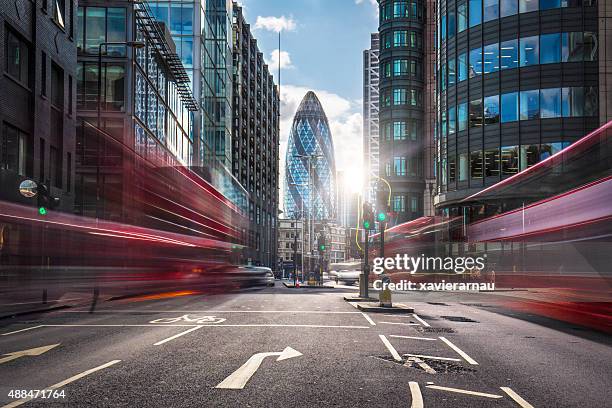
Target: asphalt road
column 203, row 351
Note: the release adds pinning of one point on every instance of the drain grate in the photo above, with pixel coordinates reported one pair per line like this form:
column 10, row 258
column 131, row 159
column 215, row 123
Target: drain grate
column 435, row 330
column 437, row 303
column 459, row 319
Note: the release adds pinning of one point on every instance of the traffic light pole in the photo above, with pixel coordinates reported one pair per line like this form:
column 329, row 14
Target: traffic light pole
column 383, row 226
column 366, row 268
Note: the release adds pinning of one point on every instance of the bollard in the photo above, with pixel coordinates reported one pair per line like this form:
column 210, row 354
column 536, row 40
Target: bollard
column 384, row 295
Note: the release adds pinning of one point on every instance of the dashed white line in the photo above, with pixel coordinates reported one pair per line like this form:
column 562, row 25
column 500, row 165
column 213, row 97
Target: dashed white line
column 22, row 330
column 434, row 357
column 62, row 383
column 517, row 398
column 390, row 347
column 459, row 391
column 401, row 324
column 423, row 322
column 368, row 319
column 417, row 398
column 159, row 343
column 412, row 337
column 459, row 351
column 211, row 325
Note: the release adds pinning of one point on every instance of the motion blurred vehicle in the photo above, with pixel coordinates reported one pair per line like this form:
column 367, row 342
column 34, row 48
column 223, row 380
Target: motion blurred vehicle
column 347, row 272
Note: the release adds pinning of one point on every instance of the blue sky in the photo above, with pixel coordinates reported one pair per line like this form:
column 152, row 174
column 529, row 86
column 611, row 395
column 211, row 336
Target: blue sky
column 322, row 45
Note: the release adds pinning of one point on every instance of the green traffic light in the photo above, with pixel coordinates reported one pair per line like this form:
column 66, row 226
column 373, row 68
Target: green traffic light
column 366, row 224
column 322, row 247
column 382, row 216
column 42, row 211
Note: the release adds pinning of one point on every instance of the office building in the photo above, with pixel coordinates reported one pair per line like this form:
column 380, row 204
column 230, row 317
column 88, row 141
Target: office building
column 371, row 99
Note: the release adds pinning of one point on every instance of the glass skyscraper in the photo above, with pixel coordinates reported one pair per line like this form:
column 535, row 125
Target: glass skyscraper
column 310, row 152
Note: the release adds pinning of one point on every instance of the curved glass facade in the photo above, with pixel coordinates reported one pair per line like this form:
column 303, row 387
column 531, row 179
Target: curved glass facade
column 310, row 150
column 516, row 81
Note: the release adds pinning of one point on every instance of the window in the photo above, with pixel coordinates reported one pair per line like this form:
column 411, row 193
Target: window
column 70, row 93
column 591, row 101
column 529, row 51
column 491, row 109
column 549, row 149
column 462, row 69
column 15, row 151
column 43, row 74
column 385, row 98
column 57, row 86
column 572, row 47
column 104, row 25
column 414, row 204
column 509, row 107
column 452, row 24
column 549, row 4
column 443, row 77
column 550, row 46
column 491, row 10
column 413, row 39
column 400, row 67
column 529, row 156
column 572, row 104
column 387, row 40
column 476, row 113
column 452, row 120
column 463, row 166
column 492, row 163
column 55, row 166
column 452, row 72
column 400, row 96
column 475, row 12
column 476, row 164
column 399, row 166
column 461, row 17
column 387, row 169
column 491, row 58
column 399, row 131
column 509, row 54
column 59, row 12
column 590, row 46
column 443, row 27
column 525, row 6
column 17, row 58
column 387, row 69
column 452, row 170
column 399, row 203
column 443, row 124
column 550, row 103
column 400, row 9
column 475, row 62
column 529, row 105
column 400, row 38
column 508, row 7
column 509, row 160
column 462, row 116
column 414, row 130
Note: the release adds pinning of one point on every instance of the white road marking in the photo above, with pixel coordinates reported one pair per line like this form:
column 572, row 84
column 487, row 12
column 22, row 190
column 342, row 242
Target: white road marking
column 22, row 330
column 238, row 379
column 459, row 351
column 396, row 315
column 417, row 398
column 517, row 398
column 434, row 357
column 159, row 343
column 390, row 347
column 62, row 383
column 30, row 352
column 355, row 305
column 211, row 311
column 423, row 322
column 368, row 319
column 412, row 337
column 459, row 391
column 420, row 363
column 401, row 324
column 218, row 325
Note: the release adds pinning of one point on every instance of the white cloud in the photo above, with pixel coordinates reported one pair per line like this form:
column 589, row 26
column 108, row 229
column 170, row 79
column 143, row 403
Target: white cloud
column 373, row 3
column 285, row 60
column 276, row 24
column 345, row 122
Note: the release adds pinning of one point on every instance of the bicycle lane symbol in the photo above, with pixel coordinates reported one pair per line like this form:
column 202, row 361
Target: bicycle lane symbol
column 187, row 319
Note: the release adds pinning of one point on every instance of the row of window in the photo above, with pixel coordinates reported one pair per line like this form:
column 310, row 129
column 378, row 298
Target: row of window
column 401, row 9
column 402, row 67
column 400, row 130
column 97, row 25
column 398, row 203
column 401, row 96
column 523, row 105
column 403, row 166
column 481, row 11
column 505, row 161
column 526, row 51
column 401, row 38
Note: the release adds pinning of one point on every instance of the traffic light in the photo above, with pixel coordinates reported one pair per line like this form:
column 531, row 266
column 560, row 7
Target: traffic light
column 368, row 216
column 382, row 205
column 321, row 243
column 44, row 199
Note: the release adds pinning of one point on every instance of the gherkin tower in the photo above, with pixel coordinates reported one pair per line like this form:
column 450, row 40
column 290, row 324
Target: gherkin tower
column 310, row 146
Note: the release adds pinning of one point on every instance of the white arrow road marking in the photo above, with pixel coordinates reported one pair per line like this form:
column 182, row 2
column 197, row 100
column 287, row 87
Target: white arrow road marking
column 31, row 352
column 517, row 398
column 62, row 383
column 417, row 398
column 238, row 379
column 459, row 391
column 459, row 351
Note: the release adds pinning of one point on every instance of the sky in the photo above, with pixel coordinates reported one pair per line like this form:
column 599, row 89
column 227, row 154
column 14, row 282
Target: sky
column 322, row 43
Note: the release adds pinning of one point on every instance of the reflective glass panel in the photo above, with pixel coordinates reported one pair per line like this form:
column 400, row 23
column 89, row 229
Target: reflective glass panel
column 530, row 155
column 476, row 164
column 549, row 4
column 475, row 12
column 550, row 103
column 461, row 17
column 508, row 7
column 509, row 160
column 462, row 67
column 452, row 120
column 475, row 62
column 491, row 10
column 529, row 50
column 491, row 58
column 530, row 104
column 550, row 48
column 462, row 116
column 492, row 162
column 476, row 114
column 525, row 6
column 572, row 49
column 491, row 109
column 452, row 72
column 508, row 51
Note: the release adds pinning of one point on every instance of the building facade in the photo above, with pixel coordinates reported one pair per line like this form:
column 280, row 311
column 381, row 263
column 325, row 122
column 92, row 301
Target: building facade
column 255, row 146
column 401, row 115
column 144, row 102
column 310, row 174
column 371, row 99
column 517, row 81
column 37, row 97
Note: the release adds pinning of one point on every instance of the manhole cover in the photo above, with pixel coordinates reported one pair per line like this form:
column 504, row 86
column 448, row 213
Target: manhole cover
column 435, row 330
column 437, row 303
column 459, row 319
